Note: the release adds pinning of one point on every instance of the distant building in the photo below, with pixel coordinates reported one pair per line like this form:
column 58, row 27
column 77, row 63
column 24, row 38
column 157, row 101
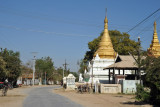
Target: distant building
column 27, row 79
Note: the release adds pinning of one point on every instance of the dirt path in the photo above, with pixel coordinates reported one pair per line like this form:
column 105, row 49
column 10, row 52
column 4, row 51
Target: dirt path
column 101, row 100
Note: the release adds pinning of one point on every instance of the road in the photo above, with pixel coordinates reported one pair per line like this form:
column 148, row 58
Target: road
column 44, row 97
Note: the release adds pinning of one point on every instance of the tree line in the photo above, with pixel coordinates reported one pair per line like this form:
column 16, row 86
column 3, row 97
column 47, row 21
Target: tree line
column 11, row 68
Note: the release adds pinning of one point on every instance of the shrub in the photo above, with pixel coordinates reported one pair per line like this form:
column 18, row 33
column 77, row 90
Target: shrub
column 141, row 94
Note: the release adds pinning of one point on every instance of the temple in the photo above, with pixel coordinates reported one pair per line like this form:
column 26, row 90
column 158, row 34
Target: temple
column 107, row 67
column 154, row 49
column 103, row 57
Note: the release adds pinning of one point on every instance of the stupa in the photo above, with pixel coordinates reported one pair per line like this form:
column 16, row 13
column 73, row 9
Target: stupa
column 103, row 57
column 154, row 49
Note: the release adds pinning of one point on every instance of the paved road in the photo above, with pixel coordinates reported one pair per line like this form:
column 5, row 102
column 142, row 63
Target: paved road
column 44, row 97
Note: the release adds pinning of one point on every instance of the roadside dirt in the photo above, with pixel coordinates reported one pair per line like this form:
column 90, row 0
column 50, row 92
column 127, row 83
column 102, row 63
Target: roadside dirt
column 101, row 100
column 14, row 97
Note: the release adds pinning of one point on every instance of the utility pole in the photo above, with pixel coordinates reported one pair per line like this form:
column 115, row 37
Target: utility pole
column 139, row 59
column 34, row 60
column 65, row 67
column 33, row 69
column 45, row 78
column 92, row 77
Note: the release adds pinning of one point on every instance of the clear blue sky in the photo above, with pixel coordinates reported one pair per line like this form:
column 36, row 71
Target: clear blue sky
column 62, row 29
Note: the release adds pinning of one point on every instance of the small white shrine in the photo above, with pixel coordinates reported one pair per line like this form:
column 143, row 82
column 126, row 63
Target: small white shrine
column 70, row 82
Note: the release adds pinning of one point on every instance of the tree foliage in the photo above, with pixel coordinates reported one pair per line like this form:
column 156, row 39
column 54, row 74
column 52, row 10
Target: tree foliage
column 153, row 79
column 44, row 66
column 11, row 64
column 142, row 94
column 26, row 70
column 3, row 71
column 151, row 66
column 82, row 66
column 58, row 74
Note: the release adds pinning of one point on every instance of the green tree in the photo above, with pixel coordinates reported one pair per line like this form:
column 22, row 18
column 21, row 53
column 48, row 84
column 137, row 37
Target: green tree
column 122, row 43
column 58, row 74
column 151, row 66
column 3, row 71
column 153, row 79
column 13, row 62
column 26, row 70
column 76, row 75
column 82, row 66
column 44, row 66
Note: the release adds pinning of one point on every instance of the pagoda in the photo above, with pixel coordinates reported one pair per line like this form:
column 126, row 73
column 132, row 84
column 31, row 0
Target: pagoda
column 154, row 49
column 105, row 49
column 103, row 57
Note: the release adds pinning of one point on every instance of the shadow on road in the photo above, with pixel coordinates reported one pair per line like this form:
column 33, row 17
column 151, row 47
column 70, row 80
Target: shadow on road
column 138, row 103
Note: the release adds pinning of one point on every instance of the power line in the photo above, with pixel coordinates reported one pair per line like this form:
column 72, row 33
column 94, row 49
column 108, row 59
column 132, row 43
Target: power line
column 48, row 18
column 10, row 45
column 144, row 20
column 44, row 17
column 45, row 32
column 144, row 30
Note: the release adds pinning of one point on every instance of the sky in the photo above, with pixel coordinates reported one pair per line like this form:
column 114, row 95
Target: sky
column 62, row 29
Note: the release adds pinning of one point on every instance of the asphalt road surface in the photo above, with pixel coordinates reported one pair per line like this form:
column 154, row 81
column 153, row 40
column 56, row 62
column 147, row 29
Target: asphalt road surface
column 44, row 97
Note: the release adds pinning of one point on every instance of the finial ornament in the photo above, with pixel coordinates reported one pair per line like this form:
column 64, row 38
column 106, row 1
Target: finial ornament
column 106, row 13
column 106, row 20
column 155, row 30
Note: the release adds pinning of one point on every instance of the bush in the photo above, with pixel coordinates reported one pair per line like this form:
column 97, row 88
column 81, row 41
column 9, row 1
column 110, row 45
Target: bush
column 155, row 94
column 141, row 94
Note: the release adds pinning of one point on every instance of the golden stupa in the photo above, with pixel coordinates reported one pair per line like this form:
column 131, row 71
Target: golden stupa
column 105, row 49
column 154, row 49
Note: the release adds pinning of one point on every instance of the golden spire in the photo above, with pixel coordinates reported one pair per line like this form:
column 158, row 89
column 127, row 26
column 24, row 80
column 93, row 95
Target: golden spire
column 155, row 40
column 155, row 30
column 154, row 49
column 105, row 49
